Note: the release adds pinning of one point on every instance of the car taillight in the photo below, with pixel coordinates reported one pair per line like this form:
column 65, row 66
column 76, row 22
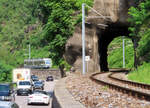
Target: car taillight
column 30, row 96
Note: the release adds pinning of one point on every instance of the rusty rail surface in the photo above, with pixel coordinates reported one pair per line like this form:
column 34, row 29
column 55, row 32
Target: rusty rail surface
column 129, row 91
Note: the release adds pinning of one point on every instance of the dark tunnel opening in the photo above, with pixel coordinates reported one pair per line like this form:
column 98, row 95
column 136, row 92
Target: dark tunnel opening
column 105, row 37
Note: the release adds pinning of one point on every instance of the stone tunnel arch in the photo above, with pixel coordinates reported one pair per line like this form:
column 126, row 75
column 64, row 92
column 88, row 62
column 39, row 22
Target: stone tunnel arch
column 105, row 37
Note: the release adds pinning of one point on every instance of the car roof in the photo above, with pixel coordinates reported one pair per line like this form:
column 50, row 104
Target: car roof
column 38, row 81
column 6, row 103
column 24, row 81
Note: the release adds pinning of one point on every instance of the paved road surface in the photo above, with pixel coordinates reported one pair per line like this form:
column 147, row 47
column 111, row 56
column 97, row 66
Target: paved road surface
column 22, row 100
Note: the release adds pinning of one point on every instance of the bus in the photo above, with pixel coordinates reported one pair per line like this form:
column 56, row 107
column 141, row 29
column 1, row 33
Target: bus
column 44, row 63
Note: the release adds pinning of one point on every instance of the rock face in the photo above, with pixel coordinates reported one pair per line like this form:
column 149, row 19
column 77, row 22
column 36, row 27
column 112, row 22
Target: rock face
column 113, row 13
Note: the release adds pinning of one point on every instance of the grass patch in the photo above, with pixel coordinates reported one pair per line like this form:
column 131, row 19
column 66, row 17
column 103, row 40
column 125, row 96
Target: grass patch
column 142, row 74
column 104, row 88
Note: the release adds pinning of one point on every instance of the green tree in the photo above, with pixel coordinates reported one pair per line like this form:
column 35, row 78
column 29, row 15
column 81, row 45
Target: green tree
column 139, row 25
column 5, row 72
column 60, row 25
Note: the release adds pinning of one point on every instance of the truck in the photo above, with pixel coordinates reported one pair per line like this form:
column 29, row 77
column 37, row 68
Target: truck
column 21, row 74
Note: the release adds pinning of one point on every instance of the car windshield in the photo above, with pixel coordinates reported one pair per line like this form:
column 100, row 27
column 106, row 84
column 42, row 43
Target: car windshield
column 34, row 76
column 4, row 87
column 38, row 82
column 24, row 83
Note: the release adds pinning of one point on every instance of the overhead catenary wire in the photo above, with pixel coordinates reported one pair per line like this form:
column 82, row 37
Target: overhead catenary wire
column 83, row 33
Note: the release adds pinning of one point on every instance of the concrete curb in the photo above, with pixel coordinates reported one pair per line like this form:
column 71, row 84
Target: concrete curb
column 62, row 98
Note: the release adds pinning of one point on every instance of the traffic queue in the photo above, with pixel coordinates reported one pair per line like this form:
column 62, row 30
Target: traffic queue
column 33, row 89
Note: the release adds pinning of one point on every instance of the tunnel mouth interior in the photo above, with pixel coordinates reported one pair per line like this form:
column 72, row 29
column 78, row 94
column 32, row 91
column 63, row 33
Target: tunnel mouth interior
column 105, row 37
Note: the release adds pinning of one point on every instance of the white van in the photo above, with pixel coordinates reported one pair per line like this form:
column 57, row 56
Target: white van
column 24, row 87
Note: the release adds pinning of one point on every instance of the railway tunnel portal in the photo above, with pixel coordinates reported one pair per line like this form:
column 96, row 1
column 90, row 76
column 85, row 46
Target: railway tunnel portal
column 105, row 38
column 98, row 38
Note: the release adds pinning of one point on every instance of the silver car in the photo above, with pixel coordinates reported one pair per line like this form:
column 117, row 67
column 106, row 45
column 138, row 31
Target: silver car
column 8, row 104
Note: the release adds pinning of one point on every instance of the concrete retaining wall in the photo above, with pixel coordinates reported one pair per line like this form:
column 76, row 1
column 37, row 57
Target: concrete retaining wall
column 43, row 73
column 62, row 98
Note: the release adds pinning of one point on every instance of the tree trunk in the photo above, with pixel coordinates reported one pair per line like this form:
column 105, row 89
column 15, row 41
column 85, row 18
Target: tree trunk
column 135, row 45
column 63, row 73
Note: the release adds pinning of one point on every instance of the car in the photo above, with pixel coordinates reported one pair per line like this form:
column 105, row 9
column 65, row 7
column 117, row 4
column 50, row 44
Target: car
column 8, row 104
column 38, row 97
column 24, row 87
column 49, row 78
column 43, row 82
column 7, row 92
column 34, row 78
column 38, row 85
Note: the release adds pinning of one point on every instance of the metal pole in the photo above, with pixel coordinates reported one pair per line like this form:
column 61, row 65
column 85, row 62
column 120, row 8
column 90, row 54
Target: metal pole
column 87, row 66
column 123, row 52
column 29, row 52
column 83, row 38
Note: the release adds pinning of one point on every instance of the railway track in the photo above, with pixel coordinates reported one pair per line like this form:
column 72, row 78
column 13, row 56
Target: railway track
column 137, row 90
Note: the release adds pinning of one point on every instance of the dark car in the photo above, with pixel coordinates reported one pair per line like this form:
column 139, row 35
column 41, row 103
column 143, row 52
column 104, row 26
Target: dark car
column 38, row 85
column 34, row 78
column 25, row 92
column 8, row 104
column 49, row 78
column 6, row 92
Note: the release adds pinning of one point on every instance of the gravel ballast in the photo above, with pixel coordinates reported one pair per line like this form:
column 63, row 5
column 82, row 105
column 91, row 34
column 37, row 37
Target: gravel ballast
column 93, row 95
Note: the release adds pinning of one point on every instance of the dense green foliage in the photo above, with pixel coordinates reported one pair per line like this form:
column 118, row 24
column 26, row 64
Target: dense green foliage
column 115, row 53
column 5, row 72
column 45, row 25
column 141, row 74
column 60, row 25
column 139, row 20
column 19, row 26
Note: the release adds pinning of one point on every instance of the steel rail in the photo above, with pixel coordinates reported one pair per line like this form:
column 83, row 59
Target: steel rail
column 130, row 92
column 136, row 84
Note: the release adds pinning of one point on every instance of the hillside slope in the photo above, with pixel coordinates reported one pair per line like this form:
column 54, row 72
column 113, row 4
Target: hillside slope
column 115, row 53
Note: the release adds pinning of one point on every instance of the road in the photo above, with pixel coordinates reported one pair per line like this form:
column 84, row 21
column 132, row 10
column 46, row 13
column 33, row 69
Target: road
column 22, row 100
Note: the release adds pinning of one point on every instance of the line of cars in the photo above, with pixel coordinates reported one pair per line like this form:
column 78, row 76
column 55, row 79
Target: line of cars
column 38, row 96
column 34, row 90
